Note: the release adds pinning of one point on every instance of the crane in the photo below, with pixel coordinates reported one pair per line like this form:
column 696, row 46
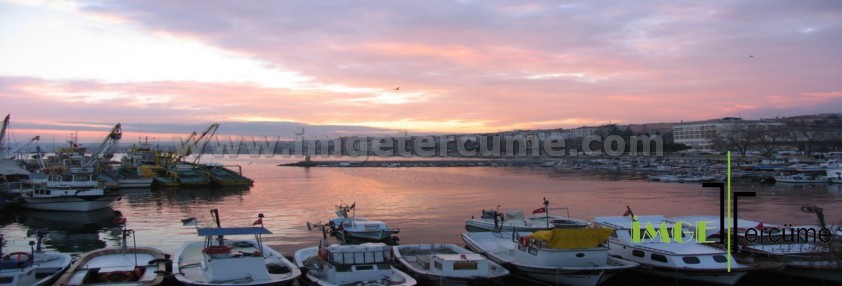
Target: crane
column 106, row 145
column 195, row 143
column 11, row 154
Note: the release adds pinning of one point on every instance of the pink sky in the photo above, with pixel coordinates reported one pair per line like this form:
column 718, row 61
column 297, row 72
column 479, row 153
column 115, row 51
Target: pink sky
column 462, row 66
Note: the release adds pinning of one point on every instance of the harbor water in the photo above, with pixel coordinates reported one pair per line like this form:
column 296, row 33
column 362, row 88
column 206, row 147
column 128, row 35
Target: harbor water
column 428, row 204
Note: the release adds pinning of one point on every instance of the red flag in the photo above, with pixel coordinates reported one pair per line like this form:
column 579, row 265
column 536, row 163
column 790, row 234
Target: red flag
column 258, row 221
column 627, row 213
column 539, row 210
column 759, row 226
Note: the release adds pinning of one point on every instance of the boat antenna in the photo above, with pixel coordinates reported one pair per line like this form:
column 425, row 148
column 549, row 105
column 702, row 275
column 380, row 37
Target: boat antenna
column 547, row 211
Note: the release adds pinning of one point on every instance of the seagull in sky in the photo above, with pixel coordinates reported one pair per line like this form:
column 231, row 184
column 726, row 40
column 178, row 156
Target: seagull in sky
column 398, row 88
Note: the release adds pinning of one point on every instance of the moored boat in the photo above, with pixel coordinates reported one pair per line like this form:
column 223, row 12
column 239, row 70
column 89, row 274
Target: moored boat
column 223, row 261
column 558, row 256
column 222, row 176
column 122, row 265
column 32, row 268
column 357, row 228
column 801, row 178
column 689, row 260
column 803, row 254
column 494, row 220
column 365, row 264
column 447, row 264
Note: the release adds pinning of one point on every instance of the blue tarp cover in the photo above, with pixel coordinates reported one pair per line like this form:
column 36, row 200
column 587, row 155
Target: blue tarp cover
column 232, row 231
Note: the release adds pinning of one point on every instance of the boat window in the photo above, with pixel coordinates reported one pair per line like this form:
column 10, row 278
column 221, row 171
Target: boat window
column 365, row 267
column 720, row 258
column 638, row 253
column 691, row 260
column 47, row 192
column 6, row 280
column 437, row 264
column 343, row 268
column 465, row 265
column 384, row 266
column 658, row 257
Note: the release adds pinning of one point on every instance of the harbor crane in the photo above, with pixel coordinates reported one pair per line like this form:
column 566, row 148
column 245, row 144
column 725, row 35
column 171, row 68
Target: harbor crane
column 11, row 154
column 195, row 143
column 106, row 145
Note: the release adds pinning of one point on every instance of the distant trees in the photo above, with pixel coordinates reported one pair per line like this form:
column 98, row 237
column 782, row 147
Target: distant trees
column 804, row 135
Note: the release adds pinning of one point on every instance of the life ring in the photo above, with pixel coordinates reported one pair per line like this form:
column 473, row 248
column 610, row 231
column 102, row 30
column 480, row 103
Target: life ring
column 17, row 256
column 323, row 254
column 523, row 240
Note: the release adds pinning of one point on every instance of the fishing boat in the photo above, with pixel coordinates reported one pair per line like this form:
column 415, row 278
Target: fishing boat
column 219, row 260
column 189, row 175
column 689, row 260
column 365, row 264
column 357, row 228
column 447, row 264
column 803, row 255
column 67, row 199
column 31, row 268
column 801, row 178
column 122, row 265
column 686, row 178
column 494, row 220
column 79, row 200
column 573, row 256
column 222, row 176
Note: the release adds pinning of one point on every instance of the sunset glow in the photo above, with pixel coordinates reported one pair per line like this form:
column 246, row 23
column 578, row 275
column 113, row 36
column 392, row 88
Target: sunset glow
column 418, row 67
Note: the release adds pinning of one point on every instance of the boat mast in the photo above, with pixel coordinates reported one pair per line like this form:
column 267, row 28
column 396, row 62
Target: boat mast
column 215, row 216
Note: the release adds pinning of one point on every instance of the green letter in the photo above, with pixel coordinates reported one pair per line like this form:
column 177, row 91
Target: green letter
column 701, row 229
column 635, row 231
column 677, row 232
column 651, row 232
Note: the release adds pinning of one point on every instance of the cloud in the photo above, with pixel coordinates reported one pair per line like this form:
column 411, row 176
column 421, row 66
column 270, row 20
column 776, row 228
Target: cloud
column 462, row 66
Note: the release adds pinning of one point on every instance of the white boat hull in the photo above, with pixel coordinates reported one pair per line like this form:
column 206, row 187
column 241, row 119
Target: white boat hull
column 70, row 203
column 410, row 258
column 367, row 278
column 188, row 265
column 130, row 267
column 368, row 235
column 503, row 250
column 526, row 224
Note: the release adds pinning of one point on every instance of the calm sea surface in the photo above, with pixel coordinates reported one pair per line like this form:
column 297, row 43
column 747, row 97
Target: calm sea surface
column 428, row 204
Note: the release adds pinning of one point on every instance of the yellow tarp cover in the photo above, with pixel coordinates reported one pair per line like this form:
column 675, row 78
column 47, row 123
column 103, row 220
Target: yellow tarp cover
column 568, row 238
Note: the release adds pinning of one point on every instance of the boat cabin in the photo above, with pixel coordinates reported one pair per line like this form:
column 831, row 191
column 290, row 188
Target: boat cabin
column 354, row 263
column 227, row 260
column 457, row 265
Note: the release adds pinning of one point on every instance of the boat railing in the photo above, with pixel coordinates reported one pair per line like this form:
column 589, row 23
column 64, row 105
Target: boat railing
column 11, row 186
column 359, row 257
